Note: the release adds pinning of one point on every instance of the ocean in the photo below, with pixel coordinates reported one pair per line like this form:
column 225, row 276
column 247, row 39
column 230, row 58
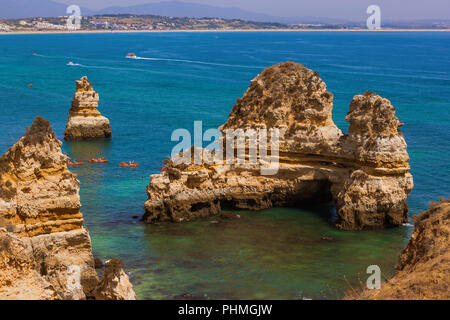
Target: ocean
column 186, row 77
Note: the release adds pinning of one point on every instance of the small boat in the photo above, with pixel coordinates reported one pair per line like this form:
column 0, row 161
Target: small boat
column 70, row 63
column 75, row 163
column 34, row 54
column 131, row 56
column 30, row 85
column 98, row 160
column 401, row 124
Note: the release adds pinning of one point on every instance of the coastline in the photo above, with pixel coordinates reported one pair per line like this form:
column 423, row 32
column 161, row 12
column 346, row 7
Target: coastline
column 218, row 30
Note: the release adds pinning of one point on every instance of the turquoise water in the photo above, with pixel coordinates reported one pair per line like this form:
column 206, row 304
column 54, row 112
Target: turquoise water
column 276, row 253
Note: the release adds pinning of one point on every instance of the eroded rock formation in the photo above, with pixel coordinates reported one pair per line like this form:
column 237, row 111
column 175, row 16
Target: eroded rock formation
column 365, row 172
column 85, row 122
column 45, row 253
column 115, row 284
column 424, row 265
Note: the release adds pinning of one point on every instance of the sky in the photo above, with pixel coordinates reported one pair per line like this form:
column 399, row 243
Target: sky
column 342, row 9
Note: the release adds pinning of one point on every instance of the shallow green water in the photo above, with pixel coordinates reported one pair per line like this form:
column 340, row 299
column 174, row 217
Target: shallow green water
column 273, row 254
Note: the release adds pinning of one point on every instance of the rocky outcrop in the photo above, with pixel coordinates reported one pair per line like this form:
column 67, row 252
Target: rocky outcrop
column 85, row 122
column 423, row 271
column 364, row 172
column 115, row 284
column 45, row 253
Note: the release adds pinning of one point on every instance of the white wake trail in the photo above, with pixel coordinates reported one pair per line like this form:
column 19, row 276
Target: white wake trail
column 199, row 62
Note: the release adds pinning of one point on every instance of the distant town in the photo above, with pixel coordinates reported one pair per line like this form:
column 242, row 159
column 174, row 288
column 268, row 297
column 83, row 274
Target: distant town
column 128, row 22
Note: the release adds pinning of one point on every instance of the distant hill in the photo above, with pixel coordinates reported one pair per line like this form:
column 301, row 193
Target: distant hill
column 186, row 9
column 195, row 10
column 15, row 9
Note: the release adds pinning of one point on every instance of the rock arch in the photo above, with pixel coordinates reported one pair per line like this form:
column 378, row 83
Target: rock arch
column 365, row 172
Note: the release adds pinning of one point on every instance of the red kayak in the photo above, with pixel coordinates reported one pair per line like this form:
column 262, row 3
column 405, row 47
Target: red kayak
column 75, row 163
column 133, row 165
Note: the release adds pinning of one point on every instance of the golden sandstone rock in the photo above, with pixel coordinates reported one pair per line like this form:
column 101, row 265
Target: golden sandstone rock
column 114, row 284
column 365, row 172
column 85, row 122
column 45, row 253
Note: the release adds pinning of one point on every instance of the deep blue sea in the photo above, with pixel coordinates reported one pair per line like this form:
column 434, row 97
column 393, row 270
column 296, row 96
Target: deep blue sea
column 274, row 254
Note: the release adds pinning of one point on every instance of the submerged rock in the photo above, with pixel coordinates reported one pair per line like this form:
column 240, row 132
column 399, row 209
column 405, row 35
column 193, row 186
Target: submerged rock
column 45, row 253
column 423, row 271
column 188, row 296
column 85, row 122
column 365, row 172
column 229, row 215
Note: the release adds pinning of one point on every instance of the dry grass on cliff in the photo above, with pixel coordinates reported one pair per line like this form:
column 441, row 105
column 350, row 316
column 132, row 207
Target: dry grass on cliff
column 424, row 265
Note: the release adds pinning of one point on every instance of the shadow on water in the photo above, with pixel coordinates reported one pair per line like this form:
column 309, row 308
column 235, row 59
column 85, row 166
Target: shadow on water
column 86, row 150
column 90, row 174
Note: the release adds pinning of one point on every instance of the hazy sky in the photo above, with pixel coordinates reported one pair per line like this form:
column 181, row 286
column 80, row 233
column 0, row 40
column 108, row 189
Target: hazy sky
column 343, row 9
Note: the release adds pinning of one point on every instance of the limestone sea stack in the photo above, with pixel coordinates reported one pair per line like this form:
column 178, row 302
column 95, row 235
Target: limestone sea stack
column 423, row 270
column 85, row 122
column 364, row 172
column 115, row 284
column 45, row 253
